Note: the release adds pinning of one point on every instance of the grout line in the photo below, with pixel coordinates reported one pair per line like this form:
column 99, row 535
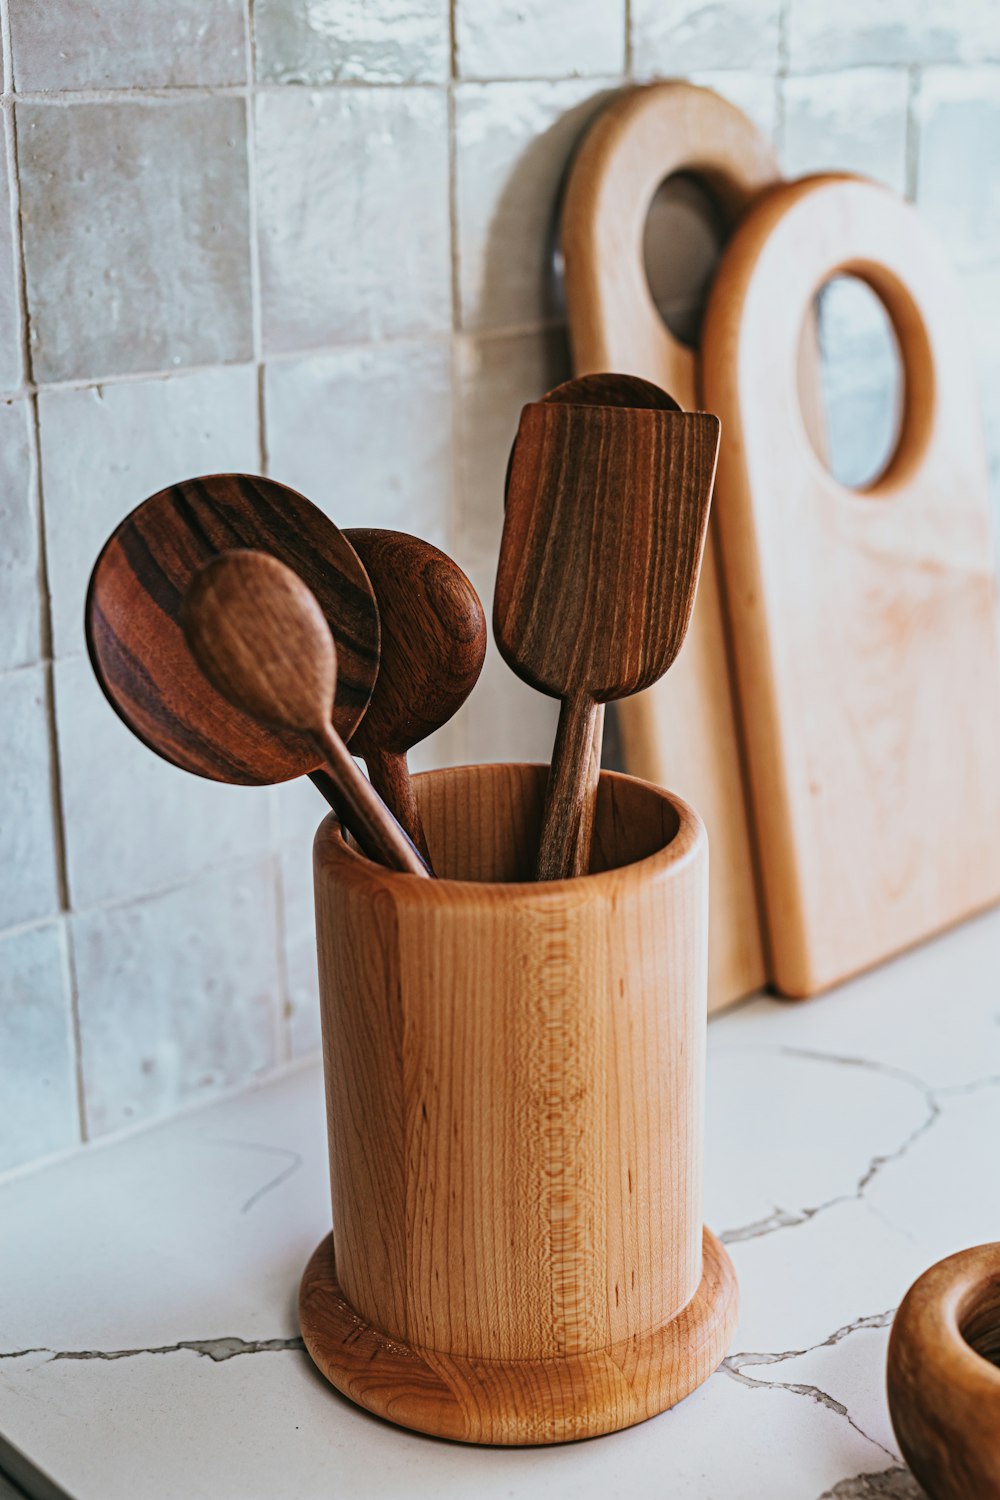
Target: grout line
column 185, row 93
column 913, row 134
column 69, row 951
column 234, row 865
column 46, row 634
column 629, row 44
column 453, row 220
column 283, row 1011
column 6, row 49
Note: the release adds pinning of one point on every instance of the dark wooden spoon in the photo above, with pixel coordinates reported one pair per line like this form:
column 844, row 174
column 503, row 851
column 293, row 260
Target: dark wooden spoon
column 258, row 633
column 433, row 644
column 138, row 649
column 604, row 529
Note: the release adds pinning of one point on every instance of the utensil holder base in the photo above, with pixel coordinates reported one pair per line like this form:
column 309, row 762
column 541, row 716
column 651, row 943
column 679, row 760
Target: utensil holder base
column 518, row 1402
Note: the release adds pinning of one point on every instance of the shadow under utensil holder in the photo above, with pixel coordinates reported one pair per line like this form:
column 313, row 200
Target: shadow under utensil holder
column 514, row 1077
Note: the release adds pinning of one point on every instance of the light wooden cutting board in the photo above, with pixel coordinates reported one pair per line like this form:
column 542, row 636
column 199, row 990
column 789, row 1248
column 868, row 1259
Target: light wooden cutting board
column 864, row 624
column 682, row 733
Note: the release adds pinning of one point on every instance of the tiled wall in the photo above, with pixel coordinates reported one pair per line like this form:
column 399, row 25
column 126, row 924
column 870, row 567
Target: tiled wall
column 315, row 241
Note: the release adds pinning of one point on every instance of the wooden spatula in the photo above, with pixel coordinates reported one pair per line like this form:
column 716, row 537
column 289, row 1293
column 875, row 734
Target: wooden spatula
column 598, row 389
column 603, row 534
column 262, row 640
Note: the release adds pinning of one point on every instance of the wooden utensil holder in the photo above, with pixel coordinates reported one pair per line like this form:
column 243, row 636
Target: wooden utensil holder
column 514, row 1079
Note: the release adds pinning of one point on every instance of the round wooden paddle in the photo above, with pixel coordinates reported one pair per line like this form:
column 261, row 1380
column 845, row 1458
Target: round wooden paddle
column 433, row 645
column 138, row 649
column 259, row 635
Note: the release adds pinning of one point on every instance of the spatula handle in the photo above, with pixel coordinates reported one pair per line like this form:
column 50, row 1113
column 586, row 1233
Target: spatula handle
column 367, row 816
column 568, row 820
column 390, row 776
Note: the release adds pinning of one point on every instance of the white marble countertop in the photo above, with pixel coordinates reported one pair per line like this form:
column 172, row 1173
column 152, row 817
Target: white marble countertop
column 148, row 1338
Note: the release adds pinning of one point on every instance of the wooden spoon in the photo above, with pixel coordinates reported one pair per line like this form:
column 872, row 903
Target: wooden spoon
column 260, row 637
column 604, row 529
column 138, row 649
column 599, row 389
column 433, row 644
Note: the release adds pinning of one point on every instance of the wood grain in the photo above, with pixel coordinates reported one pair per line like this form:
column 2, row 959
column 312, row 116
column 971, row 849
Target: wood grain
column 599, row 389
column 432, row 649
column 864, row 623
column 514, row 1090
column 137, row 646
column 683, row 732
column 944, row 1376
column 258, row 634
column 526, row 1401
column 604, row 527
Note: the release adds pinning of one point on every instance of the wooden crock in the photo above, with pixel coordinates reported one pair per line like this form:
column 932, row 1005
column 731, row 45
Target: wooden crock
column 514, row 1081
column 944, row 1376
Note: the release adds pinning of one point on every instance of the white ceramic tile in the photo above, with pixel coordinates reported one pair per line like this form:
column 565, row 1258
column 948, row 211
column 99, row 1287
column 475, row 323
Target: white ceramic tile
column 107, row 448
column 133, row 822
column 822, row 36
column 494, row 378
column 365, row 432
column 514, row 142
column 299, row 935
column 10, row 315
column 853, row 122
column 73, row 44
column 678, row 37
column 958, row 190
column 353, row 215
column 37, row 1067
column 29, row 886
column 539, row 38
column 178, row 995
column 756, row 94
column 135, row 221
column 20, row 582
column 332, row 41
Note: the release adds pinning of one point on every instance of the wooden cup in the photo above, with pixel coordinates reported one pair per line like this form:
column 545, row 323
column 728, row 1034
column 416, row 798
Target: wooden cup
column 944, row 1376
column 514, row 1092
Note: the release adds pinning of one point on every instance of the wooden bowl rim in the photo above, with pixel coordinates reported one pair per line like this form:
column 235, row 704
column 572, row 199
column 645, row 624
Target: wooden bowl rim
column 929, row 1322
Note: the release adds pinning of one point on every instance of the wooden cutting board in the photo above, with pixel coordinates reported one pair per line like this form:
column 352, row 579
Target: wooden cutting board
column 864, row 623
column 682, row 733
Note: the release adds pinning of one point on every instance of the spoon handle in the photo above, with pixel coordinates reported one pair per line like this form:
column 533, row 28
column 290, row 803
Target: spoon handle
column 367, row 816
column 567, row 821
column 390, row 777
column 585, row 833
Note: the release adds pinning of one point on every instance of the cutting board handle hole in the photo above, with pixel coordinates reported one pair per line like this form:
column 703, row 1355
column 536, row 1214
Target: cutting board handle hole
column 861, row 381
column 685, row 230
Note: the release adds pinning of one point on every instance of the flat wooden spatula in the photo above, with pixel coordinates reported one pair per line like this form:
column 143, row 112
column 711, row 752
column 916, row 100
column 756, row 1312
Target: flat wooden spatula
column 604, row 527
